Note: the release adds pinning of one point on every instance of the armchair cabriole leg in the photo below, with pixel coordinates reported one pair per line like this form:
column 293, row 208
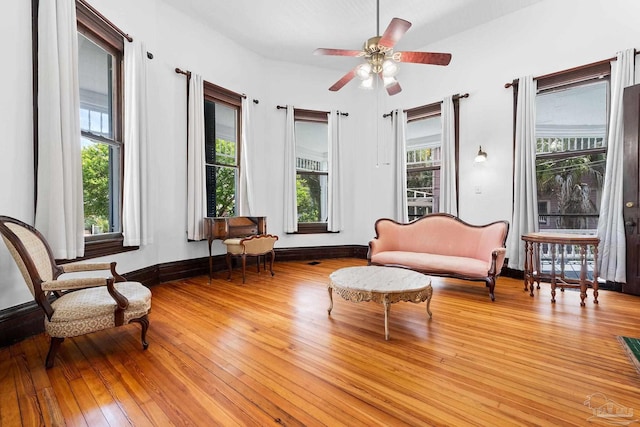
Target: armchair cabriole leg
column 144, row 326
column 53, row 350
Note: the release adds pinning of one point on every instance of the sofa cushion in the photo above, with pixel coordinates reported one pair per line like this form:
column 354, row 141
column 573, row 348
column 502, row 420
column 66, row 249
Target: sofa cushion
column 433, row 263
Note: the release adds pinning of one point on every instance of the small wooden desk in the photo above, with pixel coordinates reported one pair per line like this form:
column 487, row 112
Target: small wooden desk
column 229, row 227
column 532, row 270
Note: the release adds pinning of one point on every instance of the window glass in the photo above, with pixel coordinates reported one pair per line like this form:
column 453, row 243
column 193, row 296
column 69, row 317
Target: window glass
column 571, row 131
column 423, row 144
column 101, row 149
column 221, row 157
column 312, row 165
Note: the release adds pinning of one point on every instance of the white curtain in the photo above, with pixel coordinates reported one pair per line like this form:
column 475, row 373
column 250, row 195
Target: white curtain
column 196, row 178
column 612, row 248
column 59, row 209
column 398, row 124
column 290, row 201
column 334, row 222
column 135, row 204
column 448, row 200
column 245, row 187
column 525, row 200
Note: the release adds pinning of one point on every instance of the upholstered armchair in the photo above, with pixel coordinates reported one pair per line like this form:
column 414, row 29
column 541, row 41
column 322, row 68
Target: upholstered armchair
column 258, row 245
column 78, row 305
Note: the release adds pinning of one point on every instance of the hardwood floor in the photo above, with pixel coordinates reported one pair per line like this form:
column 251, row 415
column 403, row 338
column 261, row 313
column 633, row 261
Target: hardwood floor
column 266, row 353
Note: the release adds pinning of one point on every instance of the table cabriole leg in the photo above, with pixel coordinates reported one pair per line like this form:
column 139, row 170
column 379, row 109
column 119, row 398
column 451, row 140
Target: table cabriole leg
column 527, row 267
column 553, row 272
column 330, row 289
column 386, row 304
column 595, row 274
column 583, row 274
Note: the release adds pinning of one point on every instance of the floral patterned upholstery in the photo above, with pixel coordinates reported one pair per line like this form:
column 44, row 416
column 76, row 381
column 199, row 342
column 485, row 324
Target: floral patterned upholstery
column 82, row 304
column 90, row 310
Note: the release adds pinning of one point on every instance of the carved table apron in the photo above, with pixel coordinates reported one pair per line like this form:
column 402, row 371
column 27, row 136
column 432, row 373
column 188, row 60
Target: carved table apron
column 385, row 285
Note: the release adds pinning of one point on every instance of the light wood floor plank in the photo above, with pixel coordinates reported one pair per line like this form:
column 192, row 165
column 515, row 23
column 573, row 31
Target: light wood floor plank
column 266, row 352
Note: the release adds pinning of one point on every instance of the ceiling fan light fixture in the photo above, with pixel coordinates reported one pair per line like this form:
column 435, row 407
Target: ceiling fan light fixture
column 364, row 71
column 388, row 81
column 389, row 68
column 367, row 83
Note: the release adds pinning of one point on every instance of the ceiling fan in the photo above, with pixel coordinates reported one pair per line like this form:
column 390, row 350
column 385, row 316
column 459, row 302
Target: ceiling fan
column 381, row 59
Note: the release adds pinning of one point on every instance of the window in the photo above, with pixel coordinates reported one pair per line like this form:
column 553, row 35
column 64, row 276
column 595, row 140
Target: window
column 423, row 142
column 571, row 141
column 101, row 87
column 222, row 112
column 101, row 130
column 312, row 169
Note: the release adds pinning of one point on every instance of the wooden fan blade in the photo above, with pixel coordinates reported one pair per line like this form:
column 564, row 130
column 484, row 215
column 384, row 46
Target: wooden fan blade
column 396, row 29
column 424, row 57
column 338, row 52
column 344, row 80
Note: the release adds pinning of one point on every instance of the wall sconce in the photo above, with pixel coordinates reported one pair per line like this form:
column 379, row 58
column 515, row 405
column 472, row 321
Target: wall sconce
column 481, row 157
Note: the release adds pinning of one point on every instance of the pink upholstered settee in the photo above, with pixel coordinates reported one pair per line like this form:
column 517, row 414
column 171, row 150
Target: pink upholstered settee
column 442, row 245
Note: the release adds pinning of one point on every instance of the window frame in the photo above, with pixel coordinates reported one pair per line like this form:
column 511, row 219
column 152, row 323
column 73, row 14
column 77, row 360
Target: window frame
column 218, row 94
column 433, row 110
column 117, row 51
column 311, row 116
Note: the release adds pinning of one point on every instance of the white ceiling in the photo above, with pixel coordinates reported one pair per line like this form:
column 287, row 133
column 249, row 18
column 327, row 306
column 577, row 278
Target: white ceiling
column 289, row 30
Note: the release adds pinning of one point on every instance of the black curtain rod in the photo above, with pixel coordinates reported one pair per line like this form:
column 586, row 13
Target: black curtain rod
column 454, row 98
column 188, row 74
column 580, row 67
column 106, row 21
column 283, row 107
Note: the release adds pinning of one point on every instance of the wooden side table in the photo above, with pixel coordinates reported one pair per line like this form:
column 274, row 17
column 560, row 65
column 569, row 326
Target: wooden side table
column 532, row 270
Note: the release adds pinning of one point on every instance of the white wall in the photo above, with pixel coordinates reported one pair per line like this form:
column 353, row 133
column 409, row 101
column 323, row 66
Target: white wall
column 550, row 36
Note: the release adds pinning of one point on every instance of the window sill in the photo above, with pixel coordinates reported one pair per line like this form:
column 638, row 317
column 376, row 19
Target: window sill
column 313, row 228
column 101, row 245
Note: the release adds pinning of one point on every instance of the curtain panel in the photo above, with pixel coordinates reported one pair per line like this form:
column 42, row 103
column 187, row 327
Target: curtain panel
column 334, row 221
column 246, row 204
column 59, row 206
column 135, row 203
column 525, row 201
column 290, row 207
column 612, row 248
column 398, row 124
column 448, row 201
column 196, row 179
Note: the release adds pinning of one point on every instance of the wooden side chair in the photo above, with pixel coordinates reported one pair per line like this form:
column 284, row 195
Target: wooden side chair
column 258, row 245
column 73, row 306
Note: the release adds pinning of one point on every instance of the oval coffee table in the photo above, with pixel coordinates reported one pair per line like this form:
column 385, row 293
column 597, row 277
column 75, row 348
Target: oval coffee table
column 384, row 285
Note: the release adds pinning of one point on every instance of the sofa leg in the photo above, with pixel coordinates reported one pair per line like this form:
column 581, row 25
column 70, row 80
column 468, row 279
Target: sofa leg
column 491, row 284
